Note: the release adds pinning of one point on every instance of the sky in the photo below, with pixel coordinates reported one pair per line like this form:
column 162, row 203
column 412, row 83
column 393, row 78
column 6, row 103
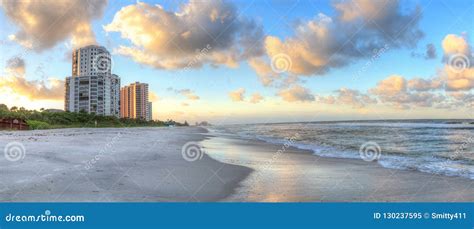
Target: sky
column 252, row 61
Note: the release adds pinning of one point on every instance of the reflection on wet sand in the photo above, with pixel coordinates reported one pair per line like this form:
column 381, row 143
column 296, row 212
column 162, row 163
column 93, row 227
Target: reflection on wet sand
column 298, row 176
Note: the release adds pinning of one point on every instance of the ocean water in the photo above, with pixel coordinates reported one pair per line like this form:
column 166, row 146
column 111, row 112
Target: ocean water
column 443, row 147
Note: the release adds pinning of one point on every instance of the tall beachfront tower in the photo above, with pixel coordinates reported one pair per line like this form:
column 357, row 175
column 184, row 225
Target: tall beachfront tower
column 150, row 111
column 92, row 88
column 91, row 60
column 134, row 101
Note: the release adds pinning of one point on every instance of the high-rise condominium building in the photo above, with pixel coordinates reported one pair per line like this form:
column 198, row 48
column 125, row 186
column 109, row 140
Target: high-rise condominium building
column 150, row 111
column 92, row 87
column 134, row 101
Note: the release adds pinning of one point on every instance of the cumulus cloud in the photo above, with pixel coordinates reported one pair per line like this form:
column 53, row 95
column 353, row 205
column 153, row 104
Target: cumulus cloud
column 266, row 75
column 419, row 84
column 237, row 95
column 200, row 32
column 256, row 98
column 443, row 90
column 359, row 28
column 449, row 88
column 45, row 23
column 51, row 89
column 390, row 86
column 188, row 93
column 349, row 97
column 457, row 99
column 454, row 44
column 459, row 80
column 330, row 99
column 15, row 66
column 459, row 59
column 395, row 91
column 463, row 98
column 296, row 93
column 430, row 52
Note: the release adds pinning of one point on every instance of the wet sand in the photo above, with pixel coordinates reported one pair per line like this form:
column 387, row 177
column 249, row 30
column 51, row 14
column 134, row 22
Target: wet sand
column 147, row 165
column 298, row 176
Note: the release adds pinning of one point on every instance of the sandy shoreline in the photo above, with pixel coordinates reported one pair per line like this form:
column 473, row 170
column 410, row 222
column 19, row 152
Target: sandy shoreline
column 147, row 165
column 299, row 176
column 113, row 164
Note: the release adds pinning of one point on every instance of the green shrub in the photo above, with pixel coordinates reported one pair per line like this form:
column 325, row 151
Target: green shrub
column 50, row 120
column 35, row 125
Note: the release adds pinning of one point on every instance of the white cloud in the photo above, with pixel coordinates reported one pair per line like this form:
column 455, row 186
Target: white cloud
column 454, row 44
column 200, row 32
column 45, row 23
column 188, row 93
column 395, row 91
column 323, row 43
column 237, row 95
column 419, row 84
column 350, row 97
column 50, row 89
column 15, row 66
column 296, row 93
column 256, row 98
column 459, row 59
column 265, row 73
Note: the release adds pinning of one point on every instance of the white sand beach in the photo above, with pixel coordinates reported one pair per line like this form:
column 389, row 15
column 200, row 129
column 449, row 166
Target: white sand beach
column 112, row 164
column 147, row 165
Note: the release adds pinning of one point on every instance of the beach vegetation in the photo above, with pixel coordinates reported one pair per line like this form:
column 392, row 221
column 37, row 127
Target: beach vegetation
column 49, row 119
